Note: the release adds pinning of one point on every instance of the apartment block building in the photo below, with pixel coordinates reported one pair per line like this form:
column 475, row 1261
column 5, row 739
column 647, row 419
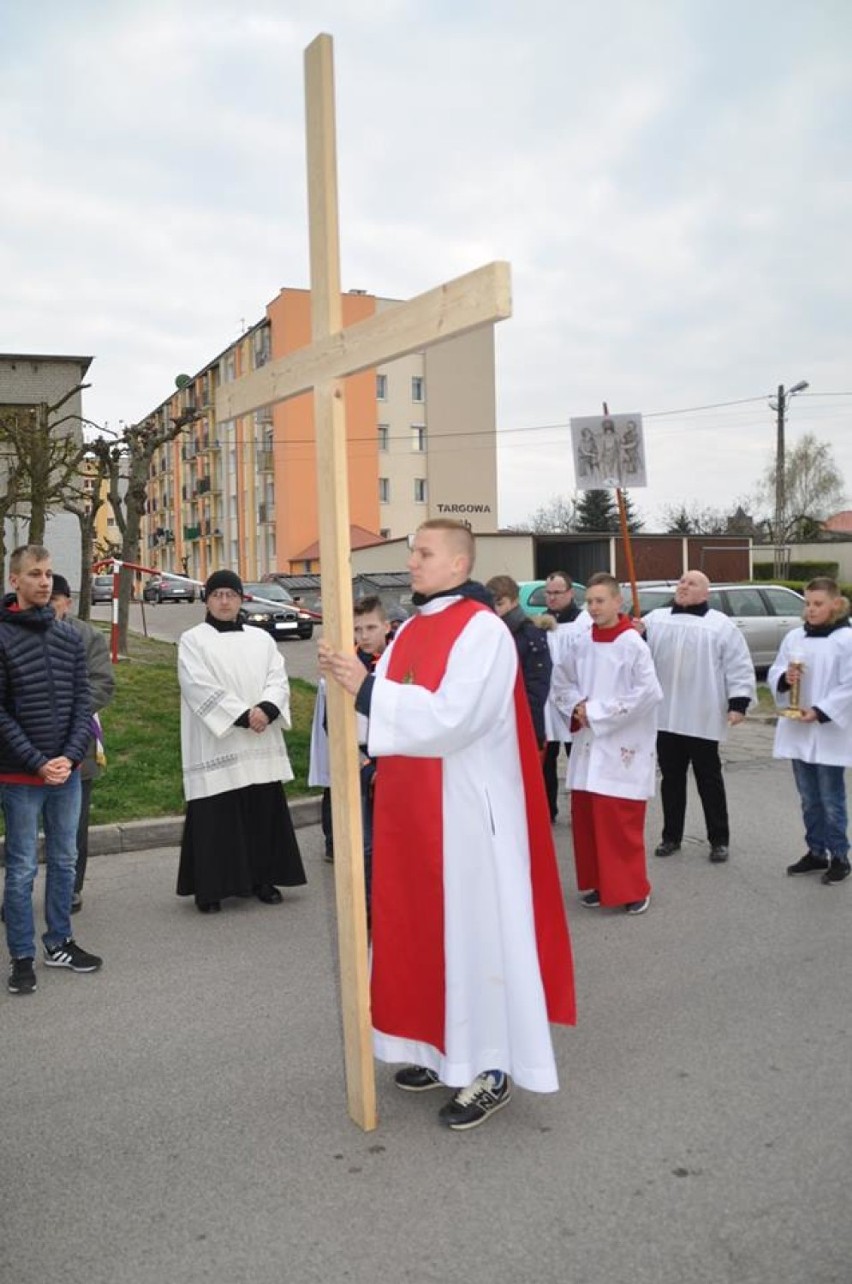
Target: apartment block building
column 421, row 440
column 29, row 381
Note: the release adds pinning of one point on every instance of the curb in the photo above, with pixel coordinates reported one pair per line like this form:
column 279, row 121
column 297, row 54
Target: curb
column 166, row 831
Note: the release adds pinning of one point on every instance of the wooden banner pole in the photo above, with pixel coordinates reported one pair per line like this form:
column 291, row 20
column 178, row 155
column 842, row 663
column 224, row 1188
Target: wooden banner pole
column 628, row 543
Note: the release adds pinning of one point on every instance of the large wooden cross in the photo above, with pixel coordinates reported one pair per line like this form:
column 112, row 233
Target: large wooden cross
column 477, row 299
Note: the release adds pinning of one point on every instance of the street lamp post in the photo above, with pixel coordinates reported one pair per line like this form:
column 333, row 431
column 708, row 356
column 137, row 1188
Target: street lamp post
column 780, row 407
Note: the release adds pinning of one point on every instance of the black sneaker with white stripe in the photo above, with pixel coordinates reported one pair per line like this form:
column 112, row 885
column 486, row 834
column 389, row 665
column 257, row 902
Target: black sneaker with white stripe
column 69, row 955
column 472, row 1105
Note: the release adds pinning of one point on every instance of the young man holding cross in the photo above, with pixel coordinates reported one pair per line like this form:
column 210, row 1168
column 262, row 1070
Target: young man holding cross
column 471, row 955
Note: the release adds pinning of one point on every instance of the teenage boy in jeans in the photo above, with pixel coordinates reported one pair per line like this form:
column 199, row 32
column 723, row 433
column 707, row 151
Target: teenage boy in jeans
column 45, row 713
column 818, row 658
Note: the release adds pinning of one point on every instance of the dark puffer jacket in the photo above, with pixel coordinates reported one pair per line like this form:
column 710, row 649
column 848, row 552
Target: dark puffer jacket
column 45, row 702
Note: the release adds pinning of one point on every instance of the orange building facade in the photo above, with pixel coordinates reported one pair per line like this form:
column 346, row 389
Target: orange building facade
column 242, row 493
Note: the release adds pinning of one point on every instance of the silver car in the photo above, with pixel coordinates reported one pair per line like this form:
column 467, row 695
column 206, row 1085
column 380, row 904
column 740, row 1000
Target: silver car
column 765, row 613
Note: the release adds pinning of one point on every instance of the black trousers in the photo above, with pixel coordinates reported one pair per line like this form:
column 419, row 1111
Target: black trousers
column 551, row 778
column 675, row 753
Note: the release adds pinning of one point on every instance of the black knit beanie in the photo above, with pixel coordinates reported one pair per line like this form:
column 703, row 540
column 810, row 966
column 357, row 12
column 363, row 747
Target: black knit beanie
column 223, row 579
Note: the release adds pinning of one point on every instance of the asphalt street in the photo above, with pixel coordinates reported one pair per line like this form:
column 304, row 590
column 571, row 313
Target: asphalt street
column 180, row 1116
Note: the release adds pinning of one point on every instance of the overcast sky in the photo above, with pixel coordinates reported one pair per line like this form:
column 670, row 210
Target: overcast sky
column 669, row 179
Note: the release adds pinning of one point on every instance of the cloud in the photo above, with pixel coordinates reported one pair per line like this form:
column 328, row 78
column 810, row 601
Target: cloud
column 668, row 183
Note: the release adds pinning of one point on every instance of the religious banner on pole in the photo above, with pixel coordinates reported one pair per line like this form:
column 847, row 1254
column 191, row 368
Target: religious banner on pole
column 609, row 451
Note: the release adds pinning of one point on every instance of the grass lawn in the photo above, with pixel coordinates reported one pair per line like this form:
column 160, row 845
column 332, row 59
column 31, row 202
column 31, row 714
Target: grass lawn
column 142, row 737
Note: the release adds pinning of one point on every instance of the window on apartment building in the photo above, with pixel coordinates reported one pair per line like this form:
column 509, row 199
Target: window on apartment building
column 384, row 490
column 384, row 436
column 420, row 490
column 418, row 437
column 381, row 387
column 418, row 388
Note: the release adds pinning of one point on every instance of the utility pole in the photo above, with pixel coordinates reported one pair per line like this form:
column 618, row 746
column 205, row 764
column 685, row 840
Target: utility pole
column 780, row 495
column 781, row 551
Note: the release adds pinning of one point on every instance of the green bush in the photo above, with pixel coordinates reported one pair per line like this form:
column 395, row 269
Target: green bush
column 803, row 571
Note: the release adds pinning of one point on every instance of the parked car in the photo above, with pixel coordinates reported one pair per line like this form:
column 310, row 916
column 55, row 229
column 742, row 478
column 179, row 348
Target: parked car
column 764, row 612
column 277, row 613
column 534, row 602
column 161, row 588
column 101, row 588
column 308, row 600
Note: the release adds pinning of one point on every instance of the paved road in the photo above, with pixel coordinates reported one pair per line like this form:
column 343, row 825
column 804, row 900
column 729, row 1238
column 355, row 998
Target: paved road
column 179, row 1117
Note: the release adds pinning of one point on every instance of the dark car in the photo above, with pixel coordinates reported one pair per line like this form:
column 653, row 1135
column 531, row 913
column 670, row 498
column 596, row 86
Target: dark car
column 161, row 588
column 269, row 606
column 101, row 588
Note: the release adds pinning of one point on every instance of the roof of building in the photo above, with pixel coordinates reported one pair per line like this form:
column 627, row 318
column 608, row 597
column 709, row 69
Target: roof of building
column 359, row 537
column 11, row 357
column 841, row 521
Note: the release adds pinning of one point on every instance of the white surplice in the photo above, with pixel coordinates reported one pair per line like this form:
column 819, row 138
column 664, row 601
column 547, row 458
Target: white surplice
column 827, row 684
column 221, row 675
column 616, row 753
column 702, row 662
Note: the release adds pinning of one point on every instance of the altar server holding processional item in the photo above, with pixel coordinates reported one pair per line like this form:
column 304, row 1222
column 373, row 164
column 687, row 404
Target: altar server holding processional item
column 811, row 680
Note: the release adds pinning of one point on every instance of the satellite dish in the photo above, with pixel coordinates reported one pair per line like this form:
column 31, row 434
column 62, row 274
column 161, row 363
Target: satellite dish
column 183, row 381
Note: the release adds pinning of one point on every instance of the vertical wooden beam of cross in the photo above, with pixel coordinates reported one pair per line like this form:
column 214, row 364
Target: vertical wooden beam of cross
column 333, row 495
column 476, row 299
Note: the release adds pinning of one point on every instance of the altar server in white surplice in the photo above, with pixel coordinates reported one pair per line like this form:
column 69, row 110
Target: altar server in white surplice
column 606, row 684
column 816, row 659
column 471, row 956
column 238, row 839
column 707, row 676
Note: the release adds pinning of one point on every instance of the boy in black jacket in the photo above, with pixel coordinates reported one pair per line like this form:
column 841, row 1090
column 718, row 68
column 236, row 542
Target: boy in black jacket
column 533, row 651
column 45, row 716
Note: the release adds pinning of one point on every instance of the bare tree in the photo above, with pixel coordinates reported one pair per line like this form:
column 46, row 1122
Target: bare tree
column 85, row 504
column 126, row 465
column 813, row 490
column 46, row 460
column 557, row 515
column 693, row 519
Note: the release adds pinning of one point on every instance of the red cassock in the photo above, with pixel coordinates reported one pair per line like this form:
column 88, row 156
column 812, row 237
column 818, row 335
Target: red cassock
column 471, row 952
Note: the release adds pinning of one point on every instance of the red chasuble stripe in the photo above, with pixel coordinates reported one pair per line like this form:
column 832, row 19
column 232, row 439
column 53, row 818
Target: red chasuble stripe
column 408, row 979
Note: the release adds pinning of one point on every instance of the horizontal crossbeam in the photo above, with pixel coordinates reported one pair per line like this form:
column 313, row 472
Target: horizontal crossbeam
column 473, row 300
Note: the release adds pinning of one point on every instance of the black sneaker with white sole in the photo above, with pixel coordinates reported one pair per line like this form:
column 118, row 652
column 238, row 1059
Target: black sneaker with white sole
column 69, row 955
column 471, row 1106
column 22, row 977
column 416, row 1079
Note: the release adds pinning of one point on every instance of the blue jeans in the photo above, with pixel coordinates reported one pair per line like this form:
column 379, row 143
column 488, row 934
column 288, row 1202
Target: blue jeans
column 58, row 808
column 822, row 790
